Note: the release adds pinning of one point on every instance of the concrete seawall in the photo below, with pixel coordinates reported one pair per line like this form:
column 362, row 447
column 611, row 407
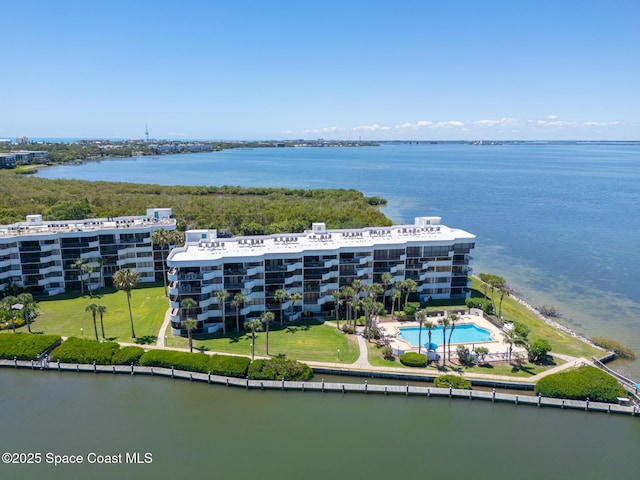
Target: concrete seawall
column 322, row 386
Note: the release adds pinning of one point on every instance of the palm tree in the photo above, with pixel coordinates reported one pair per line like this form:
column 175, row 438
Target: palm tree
column 453, row 317
column 188, row 304
column 420, row 316
column 504, row 290
column 281, row 296
column 89, row 269
column 162, row 239
column 337, row 301
column 93, row 308
column 190, row 324
column 101, row 309
column 386, row 280
column 444, row 321
column 238, row 300
column 125, row 280
column 512, row 337
column 428, row 325
column 395, row 296
column 29, row 308
column 253, row 325
column 410, row 286
column 355, row 306
column 78, row 266
column 347, row 293
column 222, row 295
column 295, row 298
column 267, row 317
column 8, row 304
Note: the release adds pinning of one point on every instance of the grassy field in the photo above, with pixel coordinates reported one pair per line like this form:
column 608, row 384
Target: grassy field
column 307, row 339
column 65, row 315
column 560, row 341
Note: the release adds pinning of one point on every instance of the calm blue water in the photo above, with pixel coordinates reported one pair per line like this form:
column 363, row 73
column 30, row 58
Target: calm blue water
column 560, row 222
column 461, row 334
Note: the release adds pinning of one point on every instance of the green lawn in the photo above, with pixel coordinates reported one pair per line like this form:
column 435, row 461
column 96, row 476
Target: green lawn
column 65, row 315
column 560, row 341
column 307, row 339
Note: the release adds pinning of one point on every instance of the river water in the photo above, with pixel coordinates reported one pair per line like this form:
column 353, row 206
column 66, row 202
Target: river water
column 193, row 430
column 560, row 222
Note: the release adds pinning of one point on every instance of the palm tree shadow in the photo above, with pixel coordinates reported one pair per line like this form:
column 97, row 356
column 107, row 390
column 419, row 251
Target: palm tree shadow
column 147, row 340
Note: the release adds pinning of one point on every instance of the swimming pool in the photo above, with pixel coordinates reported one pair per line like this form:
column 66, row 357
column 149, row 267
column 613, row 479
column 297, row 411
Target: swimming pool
column 466, row 333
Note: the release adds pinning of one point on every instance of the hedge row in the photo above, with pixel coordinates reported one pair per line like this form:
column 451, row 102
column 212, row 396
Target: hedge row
column 225, row 365
column 455, row 381
column 128, row 355
column 25, row 346
column 278, row 368
column 581, row 383
column 413, row 359
column 79, row 350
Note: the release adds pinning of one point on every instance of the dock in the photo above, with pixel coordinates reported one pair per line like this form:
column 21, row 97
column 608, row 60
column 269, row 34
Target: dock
column 363, row 388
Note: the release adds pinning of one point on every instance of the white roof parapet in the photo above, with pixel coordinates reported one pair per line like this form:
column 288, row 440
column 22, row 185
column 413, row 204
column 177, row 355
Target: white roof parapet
column 200, row 245
column 35, row 224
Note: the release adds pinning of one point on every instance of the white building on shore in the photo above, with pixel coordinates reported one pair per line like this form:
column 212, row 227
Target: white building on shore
column 38, row 254
column 315, row 264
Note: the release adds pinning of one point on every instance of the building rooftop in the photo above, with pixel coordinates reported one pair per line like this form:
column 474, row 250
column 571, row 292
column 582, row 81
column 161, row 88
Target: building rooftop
column 34, row 224
column 202, row 245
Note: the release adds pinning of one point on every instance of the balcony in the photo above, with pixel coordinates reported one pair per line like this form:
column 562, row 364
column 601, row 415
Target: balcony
column 292, row 267
column 254, row 271
column 172, row 275
column 173, row 288
column 329, row 275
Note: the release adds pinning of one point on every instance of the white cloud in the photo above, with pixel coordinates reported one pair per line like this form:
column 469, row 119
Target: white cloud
column 552, row 117
column 371, row 128
column 449, row 124
column 414, row 126
column 287, row 132
column 503, row 122
column 333, row 129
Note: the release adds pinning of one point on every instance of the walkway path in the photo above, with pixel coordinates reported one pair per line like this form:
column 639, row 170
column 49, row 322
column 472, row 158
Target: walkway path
column 163, row 329
column 363, row 359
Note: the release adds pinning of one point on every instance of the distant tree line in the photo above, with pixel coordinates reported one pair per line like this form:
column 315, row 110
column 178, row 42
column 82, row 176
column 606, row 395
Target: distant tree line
column 236, row 210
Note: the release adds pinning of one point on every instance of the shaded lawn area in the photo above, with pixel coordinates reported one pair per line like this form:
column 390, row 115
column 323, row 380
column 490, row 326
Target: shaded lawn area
column 307, row 339
column 65, row 315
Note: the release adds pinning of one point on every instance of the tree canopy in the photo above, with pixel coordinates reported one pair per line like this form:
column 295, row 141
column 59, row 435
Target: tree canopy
column 236, row 210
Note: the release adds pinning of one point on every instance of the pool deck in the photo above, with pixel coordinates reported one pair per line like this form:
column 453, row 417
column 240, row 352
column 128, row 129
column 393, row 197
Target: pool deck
column 498, row 350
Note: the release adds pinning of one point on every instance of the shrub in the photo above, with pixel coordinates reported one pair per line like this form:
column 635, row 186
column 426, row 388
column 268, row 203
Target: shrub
column 228, row 365
column 192, row 362
column 538, row 350
column 621, row 350
column 413, row 359
column 225, row 365
column 25, row 346
column 78, row 350
column 474, row 302
column 278, row 368
column 128, row 355
column 387, row 352
column 454, row 381
column 7, row 325
column 581, row 383
column 464, row 356
column 410, row 308
column 346, row 328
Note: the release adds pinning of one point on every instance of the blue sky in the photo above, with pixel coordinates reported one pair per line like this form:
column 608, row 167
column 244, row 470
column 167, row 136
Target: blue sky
column 424, row 70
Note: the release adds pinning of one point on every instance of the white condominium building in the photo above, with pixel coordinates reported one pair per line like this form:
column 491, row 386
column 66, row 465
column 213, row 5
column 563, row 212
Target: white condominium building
column 39, row 254
column 315, row 264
